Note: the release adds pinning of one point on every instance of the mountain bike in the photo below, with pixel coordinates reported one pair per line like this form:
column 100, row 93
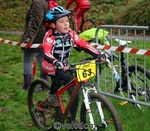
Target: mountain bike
column 132, row 81
column 85, row 24
column 97, row 112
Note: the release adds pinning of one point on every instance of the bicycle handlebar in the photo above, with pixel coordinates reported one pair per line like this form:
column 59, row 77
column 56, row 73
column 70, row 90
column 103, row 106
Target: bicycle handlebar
column 84, row 61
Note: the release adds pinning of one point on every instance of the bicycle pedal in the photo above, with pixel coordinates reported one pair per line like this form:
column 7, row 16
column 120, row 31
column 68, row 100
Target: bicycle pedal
column 123, row 103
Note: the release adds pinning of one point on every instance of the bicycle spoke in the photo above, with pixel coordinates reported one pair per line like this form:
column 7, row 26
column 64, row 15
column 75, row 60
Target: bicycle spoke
column 104, row 114
column 88, row 24
column 140, row 84
column 42, row 113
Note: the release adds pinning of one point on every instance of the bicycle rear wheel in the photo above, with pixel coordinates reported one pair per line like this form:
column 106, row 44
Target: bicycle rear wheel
column 110, row 114
column 71, row 24
column 41, row 113
column 88, row 24
column 140, row 82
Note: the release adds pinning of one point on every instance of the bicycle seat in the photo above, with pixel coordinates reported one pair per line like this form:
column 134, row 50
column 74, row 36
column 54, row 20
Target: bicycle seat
column 93, row 44
column 122, row 42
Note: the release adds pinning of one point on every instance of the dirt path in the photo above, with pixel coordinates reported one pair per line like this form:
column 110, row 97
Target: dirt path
column 121, row 37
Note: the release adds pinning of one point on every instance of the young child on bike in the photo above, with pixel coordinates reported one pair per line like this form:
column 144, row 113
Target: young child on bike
column 81, row 7
column 57, row 45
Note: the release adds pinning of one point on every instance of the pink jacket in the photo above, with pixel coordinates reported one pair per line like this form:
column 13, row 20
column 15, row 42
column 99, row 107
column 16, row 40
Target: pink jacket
column 50, row 47
column 52, row 4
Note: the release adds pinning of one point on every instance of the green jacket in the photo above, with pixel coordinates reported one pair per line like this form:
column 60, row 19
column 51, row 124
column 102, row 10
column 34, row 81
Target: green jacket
column 89, row 35
column 34, row 23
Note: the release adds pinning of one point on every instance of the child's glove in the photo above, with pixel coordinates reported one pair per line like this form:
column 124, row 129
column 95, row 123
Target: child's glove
column 59, row 65
column 102, row 57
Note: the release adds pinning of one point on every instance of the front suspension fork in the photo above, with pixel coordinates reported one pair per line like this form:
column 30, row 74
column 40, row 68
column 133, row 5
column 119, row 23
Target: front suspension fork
column 87, row 103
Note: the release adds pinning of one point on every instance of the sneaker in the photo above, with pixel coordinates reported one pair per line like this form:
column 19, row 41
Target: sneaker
column 53, row 99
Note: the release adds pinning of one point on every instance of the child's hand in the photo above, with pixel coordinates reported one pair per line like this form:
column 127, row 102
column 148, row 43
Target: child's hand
column 59, row 65
column 103, row 57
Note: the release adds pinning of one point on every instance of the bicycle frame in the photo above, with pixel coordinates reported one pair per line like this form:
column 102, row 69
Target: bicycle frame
column 85, row 92
column 72, row 98
column 124, row 81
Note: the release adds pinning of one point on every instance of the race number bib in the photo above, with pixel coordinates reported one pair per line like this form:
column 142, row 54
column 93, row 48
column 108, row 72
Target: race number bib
column 86, row 71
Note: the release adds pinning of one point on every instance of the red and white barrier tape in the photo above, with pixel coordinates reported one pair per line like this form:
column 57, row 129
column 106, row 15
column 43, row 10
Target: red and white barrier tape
column 104, row 47
column 24, row 45
column 125, row 50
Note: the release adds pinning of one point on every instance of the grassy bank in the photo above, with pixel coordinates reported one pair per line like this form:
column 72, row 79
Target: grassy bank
column 116, row 12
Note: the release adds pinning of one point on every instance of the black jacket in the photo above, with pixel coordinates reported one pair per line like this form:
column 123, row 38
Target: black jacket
column 35, row 20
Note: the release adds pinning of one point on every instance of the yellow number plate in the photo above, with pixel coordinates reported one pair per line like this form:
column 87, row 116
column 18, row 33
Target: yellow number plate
column 86, row 71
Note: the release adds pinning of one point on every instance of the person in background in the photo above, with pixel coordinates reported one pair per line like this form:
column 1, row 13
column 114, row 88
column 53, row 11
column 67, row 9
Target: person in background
column 81, row 7
column 35, row 30
column 57, row 45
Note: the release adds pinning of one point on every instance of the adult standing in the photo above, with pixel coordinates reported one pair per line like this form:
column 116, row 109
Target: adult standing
column 81, row 7
column 35, row 30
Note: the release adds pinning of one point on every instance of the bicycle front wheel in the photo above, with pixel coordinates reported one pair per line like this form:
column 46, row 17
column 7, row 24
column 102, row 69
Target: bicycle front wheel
column 111, row 116
column 140, row 82
column 88, row 24
column 41, row 113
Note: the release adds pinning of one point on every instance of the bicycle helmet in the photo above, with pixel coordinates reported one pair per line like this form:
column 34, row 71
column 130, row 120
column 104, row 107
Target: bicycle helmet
column 55, row 13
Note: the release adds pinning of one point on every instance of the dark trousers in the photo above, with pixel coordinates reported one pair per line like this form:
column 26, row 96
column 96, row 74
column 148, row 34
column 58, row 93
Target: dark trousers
column 63, row 78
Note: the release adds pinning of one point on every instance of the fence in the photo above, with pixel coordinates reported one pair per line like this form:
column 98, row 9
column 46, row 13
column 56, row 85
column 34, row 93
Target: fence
column 126, row 75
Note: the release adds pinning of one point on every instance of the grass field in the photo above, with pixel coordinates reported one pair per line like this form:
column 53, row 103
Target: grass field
column 14, row 114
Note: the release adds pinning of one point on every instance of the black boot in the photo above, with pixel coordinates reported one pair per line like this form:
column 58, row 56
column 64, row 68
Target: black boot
column 27, row 81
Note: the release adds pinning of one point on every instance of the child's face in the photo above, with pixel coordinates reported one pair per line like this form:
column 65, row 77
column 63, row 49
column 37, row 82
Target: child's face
column 62, row 25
